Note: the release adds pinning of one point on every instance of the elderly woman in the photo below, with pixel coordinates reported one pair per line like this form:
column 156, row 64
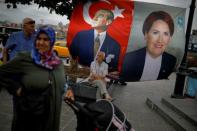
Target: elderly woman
column 38, row 93
column 151, row 62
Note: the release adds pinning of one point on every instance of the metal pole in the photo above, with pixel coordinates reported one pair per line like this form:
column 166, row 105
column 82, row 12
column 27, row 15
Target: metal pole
column 189, row 27
column 181, row 74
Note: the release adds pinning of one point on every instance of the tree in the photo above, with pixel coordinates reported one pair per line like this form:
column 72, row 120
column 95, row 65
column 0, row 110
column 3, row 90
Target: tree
column 62, row 7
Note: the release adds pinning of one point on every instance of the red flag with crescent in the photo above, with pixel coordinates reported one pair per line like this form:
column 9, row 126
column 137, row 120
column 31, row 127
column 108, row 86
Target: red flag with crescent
column 119, row 29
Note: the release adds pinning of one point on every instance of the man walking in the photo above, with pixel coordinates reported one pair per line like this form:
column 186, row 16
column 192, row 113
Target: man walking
column 20, row 41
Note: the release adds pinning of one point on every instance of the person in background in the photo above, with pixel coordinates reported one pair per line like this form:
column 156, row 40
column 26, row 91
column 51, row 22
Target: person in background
column 1, row 54
column 5, row 38
column 98, row 72
column 151, row 62
column 191, row 90
column 40, row 86
column 1, row 51
column 20, row 41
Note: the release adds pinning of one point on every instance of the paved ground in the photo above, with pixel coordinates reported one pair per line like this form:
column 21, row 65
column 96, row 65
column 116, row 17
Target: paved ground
column 130, row 99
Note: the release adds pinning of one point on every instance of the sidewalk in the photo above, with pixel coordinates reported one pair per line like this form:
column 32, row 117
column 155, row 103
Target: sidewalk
column 131, row 99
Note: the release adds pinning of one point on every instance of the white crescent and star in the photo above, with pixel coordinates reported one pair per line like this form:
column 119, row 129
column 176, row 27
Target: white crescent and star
column 116, row 11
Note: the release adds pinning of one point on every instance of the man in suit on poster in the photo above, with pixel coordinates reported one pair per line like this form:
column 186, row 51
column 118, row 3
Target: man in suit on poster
column 86, row 44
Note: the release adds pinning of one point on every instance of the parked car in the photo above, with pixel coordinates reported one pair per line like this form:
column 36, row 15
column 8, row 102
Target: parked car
column 61, row 50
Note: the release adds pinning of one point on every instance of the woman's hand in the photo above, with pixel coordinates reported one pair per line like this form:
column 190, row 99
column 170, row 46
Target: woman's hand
column 69, row 96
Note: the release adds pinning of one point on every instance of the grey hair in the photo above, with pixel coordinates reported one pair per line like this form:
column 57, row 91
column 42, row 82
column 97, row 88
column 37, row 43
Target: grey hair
column 25, row 20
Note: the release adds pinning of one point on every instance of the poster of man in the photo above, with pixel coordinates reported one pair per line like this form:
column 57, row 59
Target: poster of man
column 97, row 26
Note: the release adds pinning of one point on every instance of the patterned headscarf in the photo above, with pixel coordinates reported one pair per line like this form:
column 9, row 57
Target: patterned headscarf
column 51, row 60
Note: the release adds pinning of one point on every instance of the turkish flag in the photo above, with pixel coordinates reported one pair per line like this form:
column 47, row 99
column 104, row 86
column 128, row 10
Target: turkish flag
column 119, row 29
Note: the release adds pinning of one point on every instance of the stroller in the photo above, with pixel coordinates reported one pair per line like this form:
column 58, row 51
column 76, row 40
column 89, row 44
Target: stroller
column 101, row 115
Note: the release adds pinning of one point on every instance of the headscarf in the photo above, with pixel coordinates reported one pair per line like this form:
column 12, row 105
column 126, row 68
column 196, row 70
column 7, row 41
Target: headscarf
column 51, row 59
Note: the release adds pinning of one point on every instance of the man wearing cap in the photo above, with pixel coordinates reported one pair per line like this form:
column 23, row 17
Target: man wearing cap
column 20, row 41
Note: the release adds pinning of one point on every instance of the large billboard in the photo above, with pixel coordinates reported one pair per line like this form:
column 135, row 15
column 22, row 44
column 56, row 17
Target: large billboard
column 143, row 41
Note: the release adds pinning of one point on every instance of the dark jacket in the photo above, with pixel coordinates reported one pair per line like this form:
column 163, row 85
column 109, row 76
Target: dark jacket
column 82, row 47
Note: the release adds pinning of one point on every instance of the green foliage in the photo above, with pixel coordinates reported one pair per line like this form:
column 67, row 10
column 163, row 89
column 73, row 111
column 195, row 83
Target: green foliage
column 62, row 7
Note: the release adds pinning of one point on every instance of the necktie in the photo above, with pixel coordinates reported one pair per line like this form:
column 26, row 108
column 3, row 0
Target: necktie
column 96, row 44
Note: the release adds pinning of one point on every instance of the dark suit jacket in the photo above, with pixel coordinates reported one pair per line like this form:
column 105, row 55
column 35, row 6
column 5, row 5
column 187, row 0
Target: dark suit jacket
column 82, row 47
column 133, row 65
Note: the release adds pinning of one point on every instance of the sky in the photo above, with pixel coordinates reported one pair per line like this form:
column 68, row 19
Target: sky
column 16, row 15
column 40, row 15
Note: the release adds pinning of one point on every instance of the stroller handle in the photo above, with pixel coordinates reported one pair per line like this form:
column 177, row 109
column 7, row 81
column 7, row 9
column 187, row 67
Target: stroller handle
column 77, row 107
column 72, row 104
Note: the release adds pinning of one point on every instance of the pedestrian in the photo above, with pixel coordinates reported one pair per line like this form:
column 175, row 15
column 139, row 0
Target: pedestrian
column 39, row 90
column 191, row 90
column 20, row 41
column 1, row 51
